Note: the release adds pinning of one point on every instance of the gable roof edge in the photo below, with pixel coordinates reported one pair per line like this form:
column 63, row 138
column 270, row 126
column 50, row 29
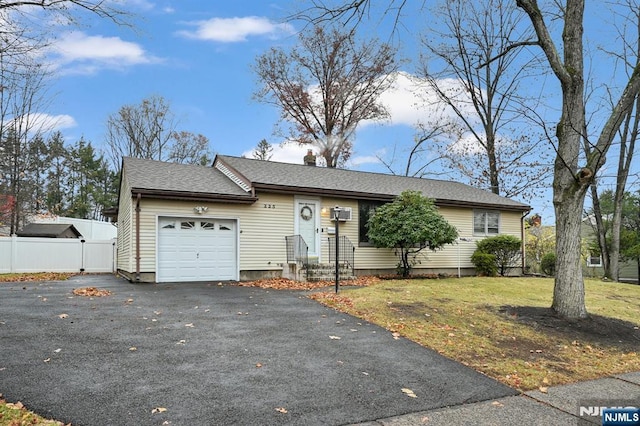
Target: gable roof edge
column 235, row 176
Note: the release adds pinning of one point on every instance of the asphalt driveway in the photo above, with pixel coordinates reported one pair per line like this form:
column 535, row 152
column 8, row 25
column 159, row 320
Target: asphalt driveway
column 212, row 355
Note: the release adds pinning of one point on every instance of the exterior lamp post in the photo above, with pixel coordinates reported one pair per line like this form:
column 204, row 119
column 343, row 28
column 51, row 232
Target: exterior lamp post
column 336, row 218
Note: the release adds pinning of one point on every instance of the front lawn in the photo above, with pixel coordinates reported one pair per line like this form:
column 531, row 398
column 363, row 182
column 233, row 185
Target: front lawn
column 503, row 327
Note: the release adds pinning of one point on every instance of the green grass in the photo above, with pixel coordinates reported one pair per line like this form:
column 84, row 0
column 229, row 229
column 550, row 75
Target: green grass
column 17, row 415
column 480, row 322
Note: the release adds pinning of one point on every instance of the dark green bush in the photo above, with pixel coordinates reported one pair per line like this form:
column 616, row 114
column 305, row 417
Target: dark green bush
column 485, row 263
column 507, row 250
column 548, row 263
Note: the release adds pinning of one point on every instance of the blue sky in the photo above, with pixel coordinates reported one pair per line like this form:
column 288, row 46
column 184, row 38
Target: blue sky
column 198, row 56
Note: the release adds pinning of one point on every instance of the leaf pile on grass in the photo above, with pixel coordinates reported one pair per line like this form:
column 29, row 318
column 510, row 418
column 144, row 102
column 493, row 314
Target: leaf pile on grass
column 503, row 327
column 15, row 414
column 91, row 292
column 287, row 284
column 39, row 276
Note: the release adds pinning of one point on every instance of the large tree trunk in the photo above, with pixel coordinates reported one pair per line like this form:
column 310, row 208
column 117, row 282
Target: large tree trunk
column 570, row 184
column 568, row 292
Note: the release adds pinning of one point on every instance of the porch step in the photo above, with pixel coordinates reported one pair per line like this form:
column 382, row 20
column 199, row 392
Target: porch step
column 327, row 272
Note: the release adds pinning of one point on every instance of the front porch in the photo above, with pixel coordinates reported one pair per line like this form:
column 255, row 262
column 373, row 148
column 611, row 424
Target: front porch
column 301, row 267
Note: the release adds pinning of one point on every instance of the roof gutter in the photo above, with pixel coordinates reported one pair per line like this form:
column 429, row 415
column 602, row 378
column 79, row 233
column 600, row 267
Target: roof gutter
column 192, row 196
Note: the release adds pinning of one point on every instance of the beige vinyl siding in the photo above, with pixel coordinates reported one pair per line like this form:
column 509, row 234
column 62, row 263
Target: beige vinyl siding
column 261, row 229
column 448, row 257
column 629, row 270
column 125, row 226
column 263, row 225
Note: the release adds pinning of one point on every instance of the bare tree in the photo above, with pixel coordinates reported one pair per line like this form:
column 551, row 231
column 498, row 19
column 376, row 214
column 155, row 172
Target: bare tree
column 423, row 156
column 573, row 174
column 189, row 148
column 629, row 34
column 486, row 97
column 571, row 181
column 142, row 131
column 326, row 87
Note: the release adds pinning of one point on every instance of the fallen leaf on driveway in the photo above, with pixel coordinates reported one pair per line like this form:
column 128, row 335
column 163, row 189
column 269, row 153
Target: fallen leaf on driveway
column 158, row 410
column 133, row 348
column 189, row 325
column 335, row 337
column 396, row 335
column 497, row 404
column 282, row 410
column 91, row 292
column 47, row 360
column 258, row 365
column 57, row 350
column 181, row 342
column 63, row 316
column 543, row 389
column 409, row 393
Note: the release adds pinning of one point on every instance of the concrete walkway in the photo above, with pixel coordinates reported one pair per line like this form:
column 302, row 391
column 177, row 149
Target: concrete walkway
column 571, row 404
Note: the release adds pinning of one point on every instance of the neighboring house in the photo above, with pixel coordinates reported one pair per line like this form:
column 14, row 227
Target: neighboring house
column 181, row 222
column 90, row 229
column 593, row 266
column 49, row 230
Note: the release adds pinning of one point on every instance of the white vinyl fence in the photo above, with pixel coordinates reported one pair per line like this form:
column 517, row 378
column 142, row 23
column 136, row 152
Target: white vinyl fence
column 25, row 254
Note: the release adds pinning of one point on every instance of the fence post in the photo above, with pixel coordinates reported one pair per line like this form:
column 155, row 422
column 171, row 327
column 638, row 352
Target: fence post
column 14, row 252
column 82, row 252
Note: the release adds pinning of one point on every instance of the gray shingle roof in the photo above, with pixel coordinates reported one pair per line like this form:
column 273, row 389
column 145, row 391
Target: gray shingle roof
column 162, row 178
column 349, row 183
column 152, row 175
column 48, row 230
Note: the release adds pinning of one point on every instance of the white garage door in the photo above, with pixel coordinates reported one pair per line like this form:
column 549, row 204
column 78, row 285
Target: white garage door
column 195, row 249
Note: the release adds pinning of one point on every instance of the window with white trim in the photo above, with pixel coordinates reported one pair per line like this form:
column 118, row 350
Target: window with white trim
column 594, row 260
column 486, row 222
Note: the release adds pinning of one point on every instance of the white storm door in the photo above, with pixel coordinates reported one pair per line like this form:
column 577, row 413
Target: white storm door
column 307, row 223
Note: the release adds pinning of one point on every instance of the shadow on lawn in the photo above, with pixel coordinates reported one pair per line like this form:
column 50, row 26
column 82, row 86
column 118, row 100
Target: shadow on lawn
column 597, row 329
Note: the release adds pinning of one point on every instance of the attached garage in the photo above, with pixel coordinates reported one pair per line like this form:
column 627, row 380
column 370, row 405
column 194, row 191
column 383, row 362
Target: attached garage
column 196, row 249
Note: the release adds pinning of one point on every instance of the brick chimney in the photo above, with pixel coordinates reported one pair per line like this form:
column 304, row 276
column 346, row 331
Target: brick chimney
column 309, row 159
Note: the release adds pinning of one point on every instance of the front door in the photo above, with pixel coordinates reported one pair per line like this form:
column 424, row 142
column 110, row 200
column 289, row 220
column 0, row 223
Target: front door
column 307, row 223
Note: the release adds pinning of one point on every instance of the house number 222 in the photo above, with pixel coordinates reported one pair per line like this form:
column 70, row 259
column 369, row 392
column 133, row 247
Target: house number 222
column 269, row 206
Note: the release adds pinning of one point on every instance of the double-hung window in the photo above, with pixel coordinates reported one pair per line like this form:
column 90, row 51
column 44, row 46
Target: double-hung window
column 365, row 210
column 486, row 222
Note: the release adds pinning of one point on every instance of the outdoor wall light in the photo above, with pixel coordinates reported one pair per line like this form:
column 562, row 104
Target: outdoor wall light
column 200, row 209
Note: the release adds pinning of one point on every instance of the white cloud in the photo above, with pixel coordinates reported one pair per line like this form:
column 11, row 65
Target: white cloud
column 288, row 152
column 79, row 53
column 231, row 30
column 45, row 123
column 411, row 100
